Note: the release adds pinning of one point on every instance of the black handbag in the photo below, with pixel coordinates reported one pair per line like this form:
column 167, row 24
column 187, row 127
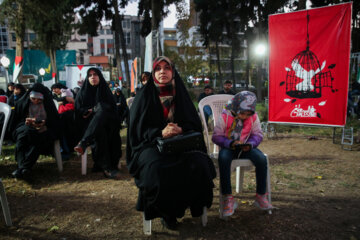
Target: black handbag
column 190, row 141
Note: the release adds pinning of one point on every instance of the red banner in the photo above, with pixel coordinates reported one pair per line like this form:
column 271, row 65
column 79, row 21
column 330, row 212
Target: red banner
column 309, row 66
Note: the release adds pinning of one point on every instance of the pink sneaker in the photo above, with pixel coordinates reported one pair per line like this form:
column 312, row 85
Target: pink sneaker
column 262, row 202
column 229, row 206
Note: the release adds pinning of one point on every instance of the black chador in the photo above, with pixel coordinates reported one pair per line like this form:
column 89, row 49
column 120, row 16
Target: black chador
column 101, row 128
column 32, row 141
column 168, row 185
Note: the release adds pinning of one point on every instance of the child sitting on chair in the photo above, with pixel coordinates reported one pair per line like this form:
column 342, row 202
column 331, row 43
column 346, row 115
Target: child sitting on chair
column 239, row 124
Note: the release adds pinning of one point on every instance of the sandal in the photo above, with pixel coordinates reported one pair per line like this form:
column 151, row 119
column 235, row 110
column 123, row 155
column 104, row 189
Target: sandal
column 112, row 174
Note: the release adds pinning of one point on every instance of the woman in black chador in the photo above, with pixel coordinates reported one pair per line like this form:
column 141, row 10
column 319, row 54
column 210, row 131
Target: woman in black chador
column 35, row 126
column 98, row 121
column 168, row 184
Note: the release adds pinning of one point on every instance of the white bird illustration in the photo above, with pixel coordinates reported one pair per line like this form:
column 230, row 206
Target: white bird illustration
column 301, row 73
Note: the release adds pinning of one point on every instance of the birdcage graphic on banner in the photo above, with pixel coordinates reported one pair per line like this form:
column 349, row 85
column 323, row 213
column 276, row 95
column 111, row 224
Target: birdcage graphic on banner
column 306, row 78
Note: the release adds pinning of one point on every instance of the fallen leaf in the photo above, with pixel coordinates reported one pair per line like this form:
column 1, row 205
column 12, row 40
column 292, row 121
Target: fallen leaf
column 53, row 228
column 318, row 177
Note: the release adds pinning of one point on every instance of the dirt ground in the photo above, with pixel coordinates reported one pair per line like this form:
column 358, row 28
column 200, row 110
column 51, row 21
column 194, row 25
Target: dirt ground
column 315, row 187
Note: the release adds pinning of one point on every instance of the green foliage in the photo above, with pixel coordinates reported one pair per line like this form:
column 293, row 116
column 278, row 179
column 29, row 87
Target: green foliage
column 52, row 22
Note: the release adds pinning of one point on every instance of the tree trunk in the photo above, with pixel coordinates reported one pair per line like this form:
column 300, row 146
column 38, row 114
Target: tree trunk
column 156, row 51
column 302, row 4
column 123, row 48
column 20, row 35
column 247, row 64
column 53, row 63
column 233, row 52
column 218, row 62
column 117, row 23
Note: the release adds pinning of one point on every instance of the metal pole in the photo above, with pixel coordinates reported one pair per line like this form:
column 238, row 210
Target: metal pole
column 6, row 78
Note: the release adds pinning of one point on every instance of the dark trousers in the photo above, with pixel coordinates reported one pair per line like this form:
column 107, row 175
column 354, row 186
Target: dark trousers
column 257, row 158
column 30, row 144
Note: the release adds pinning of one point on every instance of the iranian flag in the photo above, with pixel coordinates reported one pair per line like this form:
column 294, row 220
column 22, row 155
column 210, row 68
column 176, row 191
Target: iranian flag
column 19, row 62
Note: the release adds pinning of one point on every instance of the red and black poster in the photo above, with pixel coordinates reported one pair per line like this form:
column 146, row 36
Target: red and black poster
column 309, row 66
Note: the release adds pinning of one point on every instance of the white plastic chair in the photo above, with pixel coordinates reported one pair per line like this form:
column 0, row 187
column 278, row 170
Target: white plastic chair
column 6, row 110
column 5, row 205
column 216, row 103
column 147, row 223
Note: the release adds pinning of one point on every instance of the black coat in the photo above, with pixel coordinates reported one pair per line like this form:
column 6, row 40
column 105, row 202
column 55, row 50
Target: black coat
column 102, row 128
column 167, row 184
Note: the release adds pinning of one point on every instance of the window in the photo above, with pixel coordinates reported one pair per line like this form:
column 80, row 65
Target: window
column 109, row 41
column 126, row 23
column 13, row 37
column 127, row 38
column 102, row 41
column 108, row 32
column 110, row 50
column 32, row 36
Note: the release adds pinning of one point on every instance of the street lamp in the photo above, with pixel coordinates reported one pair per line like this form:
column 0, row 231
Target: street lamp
column 5, row 62
column 42, row 73
column 260, row 49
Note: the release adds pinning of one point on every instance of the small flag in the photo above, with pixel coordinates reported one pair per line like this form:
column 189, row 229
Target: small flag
column 17, row 67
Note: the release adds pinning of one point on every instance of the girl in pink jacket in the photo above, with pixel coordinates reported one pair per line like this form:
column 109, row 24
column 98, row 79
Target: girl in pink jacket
column 239, row 124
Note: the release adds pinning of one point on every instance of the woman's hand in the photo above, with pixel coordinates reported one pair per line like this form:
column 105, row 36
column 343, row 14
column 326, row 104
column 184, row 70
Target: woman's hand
column 89, row 112
column 172, row 129
column 29, row 121
column 39, row 124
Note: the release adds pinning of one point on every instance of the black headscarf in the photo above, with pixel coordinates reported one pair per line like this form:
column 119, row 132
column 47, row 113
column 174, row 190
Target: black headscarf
column 22, row 110
column 147, row 120
column 89, row 96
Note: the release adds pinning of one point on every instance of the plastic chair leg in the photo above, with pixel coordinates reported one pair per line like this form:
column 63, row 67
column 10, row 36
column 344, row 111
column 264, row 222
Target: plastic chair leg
column 58, row 155
column 146, row 226
column 5, row 205
column 204, row 218
column 268, row 186
column 84, row 162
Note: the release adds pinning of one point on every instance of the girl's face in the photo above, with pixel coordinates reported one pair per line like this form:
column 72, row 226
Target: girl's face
column 36, row 100
column 93, row 78
column 245, row 115
column 163, row 72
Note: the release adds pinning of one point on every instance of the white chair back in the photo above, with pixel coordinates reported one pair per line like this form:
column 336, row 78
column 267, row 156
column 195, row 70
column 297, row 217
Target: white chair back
column 6, row 110
column 216, row 103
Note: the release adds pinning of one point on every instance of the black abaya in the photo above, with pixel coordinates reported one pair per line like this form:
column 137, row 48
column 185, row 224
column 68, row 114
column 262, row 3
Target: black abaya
column 30, row 143
column 167, row 184
column 101, row 129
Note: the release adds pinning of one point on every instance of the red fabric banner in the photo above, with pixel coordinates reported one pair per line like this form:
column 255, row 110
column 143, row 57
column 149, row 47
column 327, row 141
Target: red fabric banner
column 309, row 66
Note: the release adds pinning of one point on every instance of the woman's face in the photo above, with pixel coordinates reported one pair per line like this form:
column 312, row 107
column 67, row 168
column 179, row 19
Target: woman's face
column 163, row 72
column 36, row 100
column 17, row 91
column 93, row 78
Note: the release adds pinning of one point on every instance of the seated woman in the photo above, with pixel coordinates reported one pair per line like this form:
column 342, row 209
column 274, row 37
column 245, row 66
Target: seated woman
column 35, row 126
column 168, row 184
column 19, row 91
column 99, row 123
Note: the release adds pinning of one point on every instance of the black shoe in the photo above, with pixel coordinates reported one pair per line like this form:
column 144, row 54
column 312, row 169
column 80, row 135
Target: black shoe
column 169, row 223
column 112, row 174
column 17, row 173
column 26, row 173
